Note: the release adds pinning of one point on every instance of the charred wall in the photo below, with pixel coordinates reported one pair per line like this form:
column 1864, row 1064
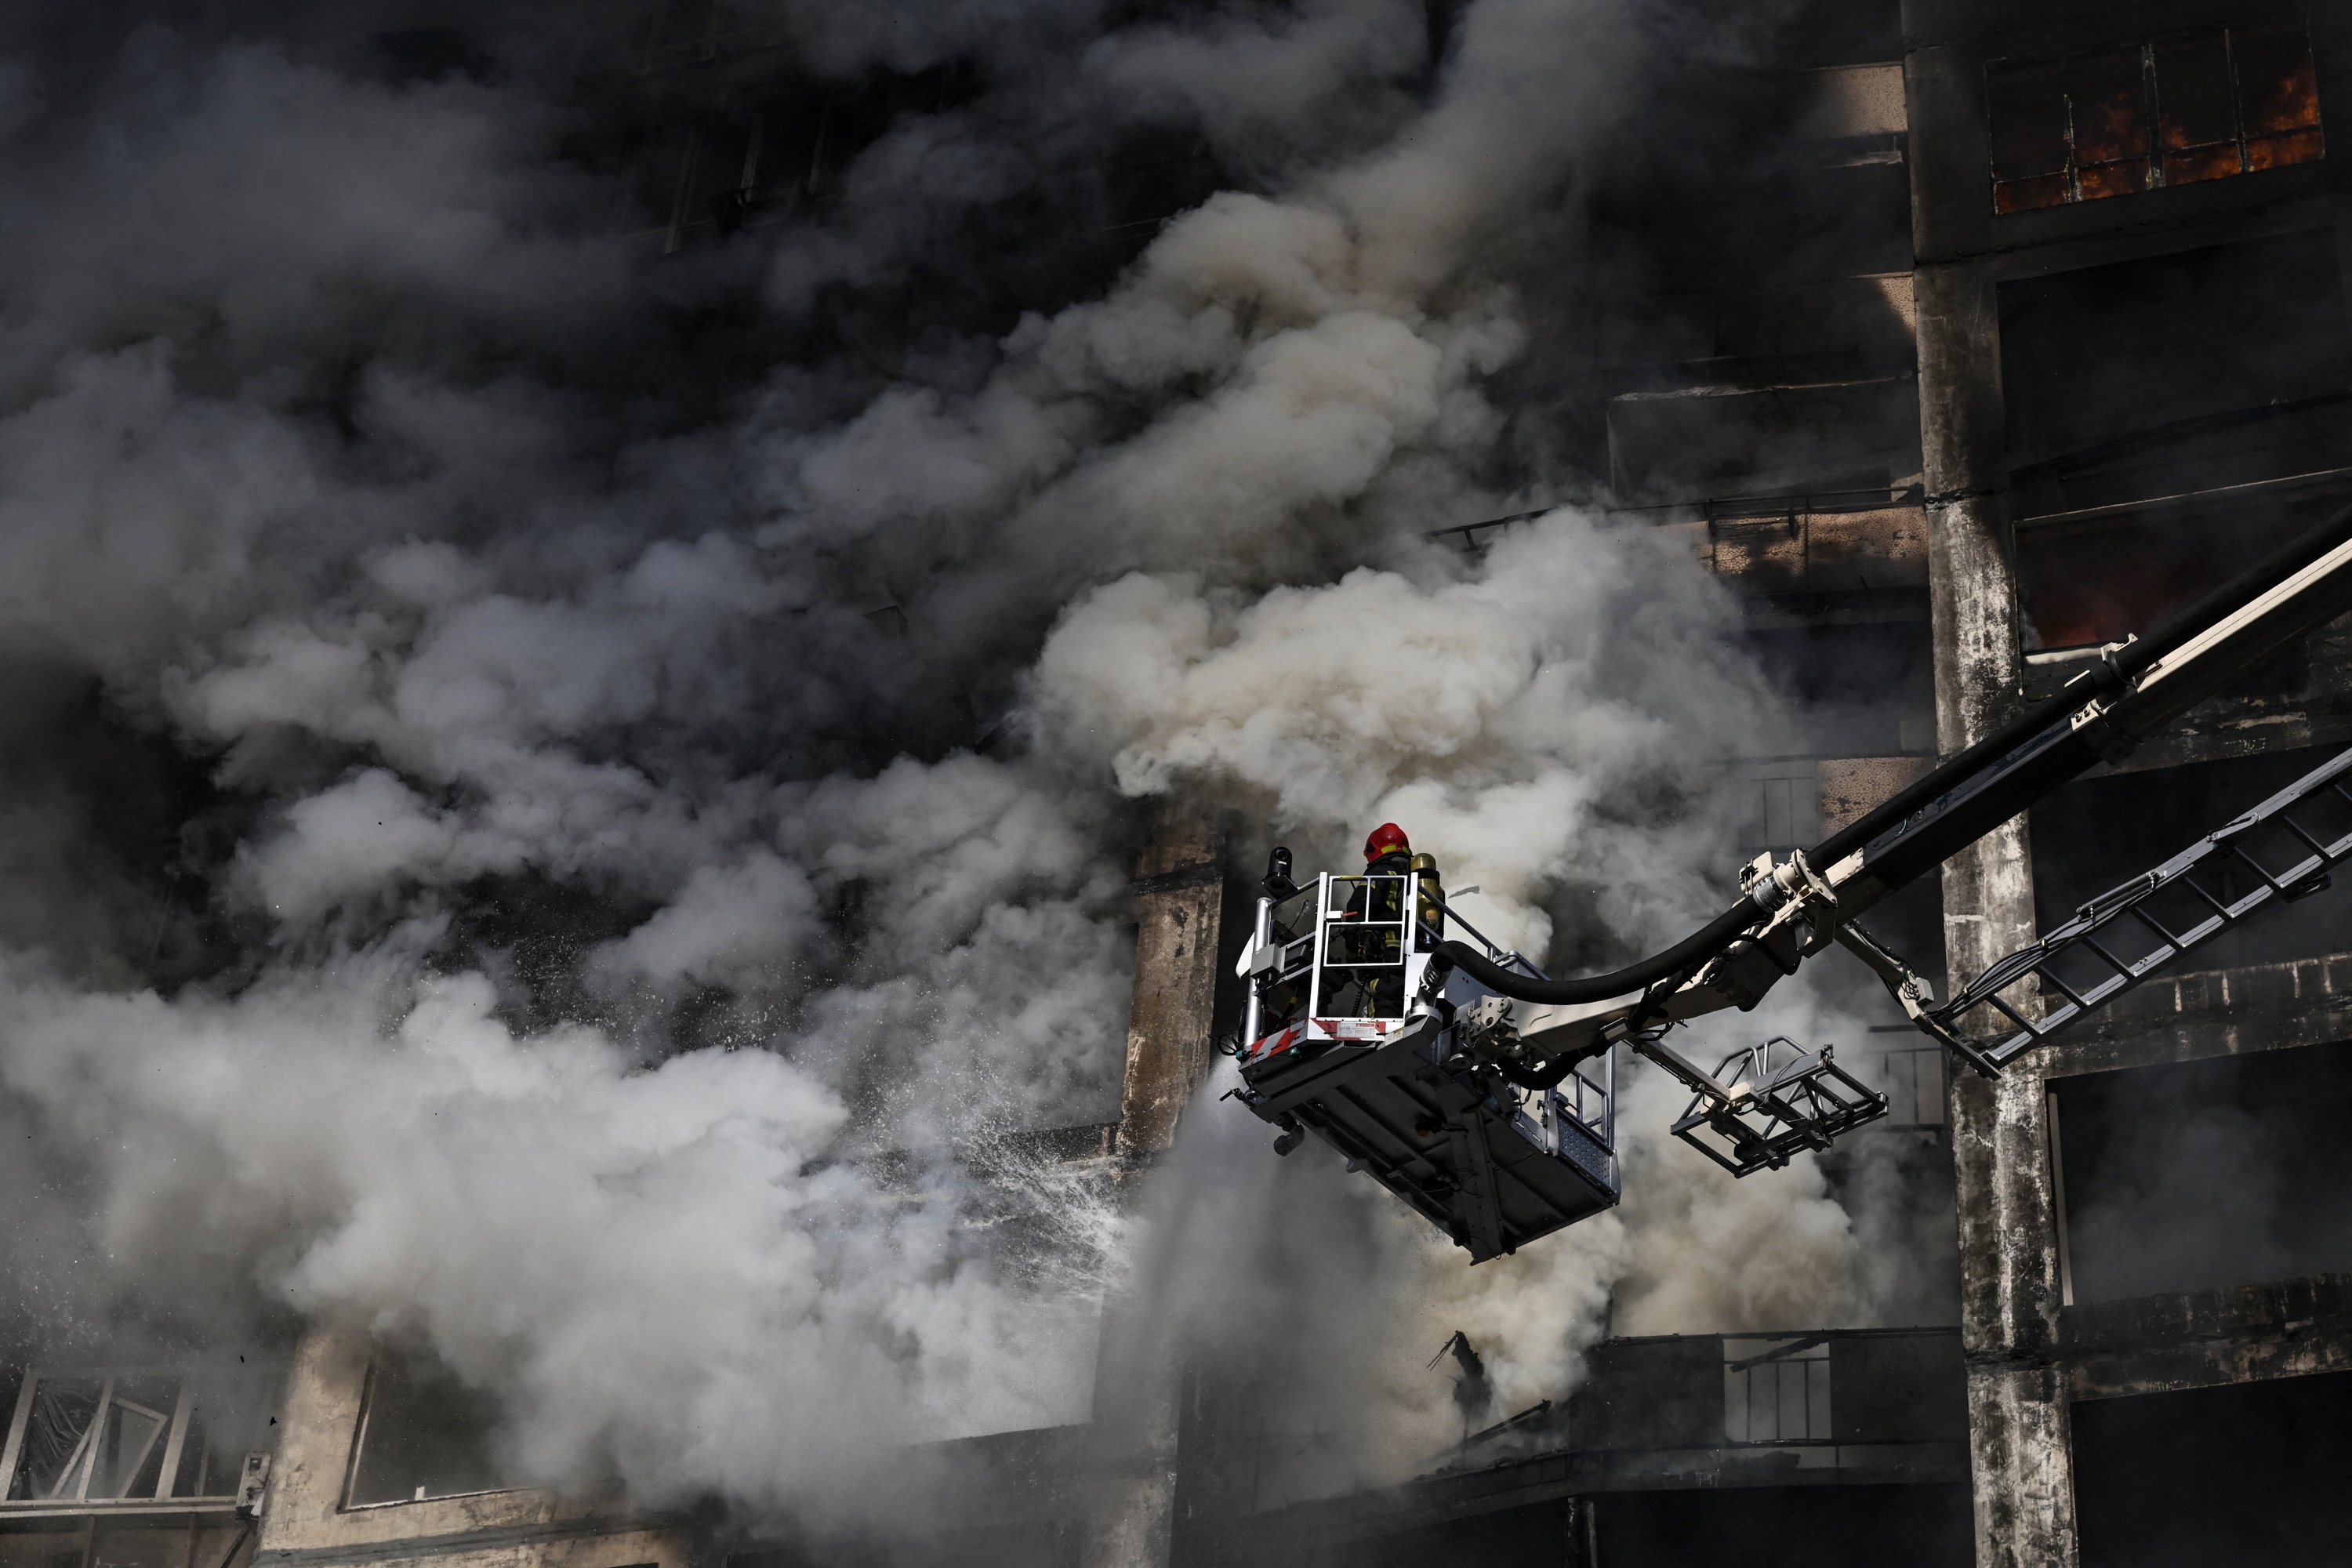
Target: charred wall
column 2241, row 1474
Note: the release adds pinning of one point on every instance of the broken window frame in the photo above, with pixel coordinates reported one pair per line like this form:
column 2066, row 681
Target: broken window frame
column 72, row 1486
column 2162, row 164
column 691, row 32
column 1745, row 1356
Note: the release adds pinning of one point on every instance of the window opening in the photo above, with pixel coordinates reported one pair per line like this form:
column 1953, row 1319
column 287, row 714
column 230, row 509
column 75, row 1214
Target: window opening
column 2141, row 117
column 2203, row 1175
column 1780, row 809
column 1777, row 1391
column 1913, row 1080
column 423, row 1433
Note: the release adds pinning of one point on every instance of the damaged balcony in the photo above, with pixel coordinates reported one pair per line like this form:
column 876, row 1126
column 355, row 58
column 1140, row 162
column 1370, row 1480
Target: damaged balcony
column 1679, row 1447
column 120, row 1442
column 1778, row 430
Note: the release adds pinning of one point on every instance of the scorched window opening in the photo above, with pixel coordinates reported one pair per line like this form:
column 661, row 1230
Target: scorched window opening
column 2141, row 117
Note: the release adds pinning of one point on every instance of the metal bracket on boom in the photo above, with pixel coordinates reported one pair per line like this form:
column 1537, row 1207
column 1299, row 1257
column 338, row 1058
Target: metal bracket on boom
column 1769, row 1102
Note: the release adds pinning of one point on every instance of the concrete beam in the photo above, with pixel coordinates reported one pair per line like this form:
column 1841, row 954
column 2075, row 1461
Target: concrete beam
column 2245, row 1333
column 2204, row 1013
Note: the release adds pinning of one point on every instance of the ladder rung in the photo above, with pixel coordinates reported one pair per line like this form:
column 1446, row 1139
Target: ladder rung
column 2132, row 899
column 2109, row 959
column 2071, row 995
column 2015, row 1016
column 2292, row 826
column 2254, row 866
column 2204, row 931
column 2055, row 1019
column 2149, row 921
column 2215, row 905
column 2303, row 870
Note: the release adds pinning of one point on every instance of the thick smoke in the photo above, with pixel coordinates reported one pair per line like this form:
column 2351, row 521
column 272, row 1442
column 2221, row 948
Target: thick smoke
column 1549, row 727
column 573, row 797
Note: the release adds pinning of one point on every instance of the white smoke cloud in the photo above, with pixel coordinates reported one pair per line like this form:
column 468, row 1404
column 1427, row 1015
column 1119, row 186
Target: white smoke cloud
column 1492, row 716
column 558, row 1226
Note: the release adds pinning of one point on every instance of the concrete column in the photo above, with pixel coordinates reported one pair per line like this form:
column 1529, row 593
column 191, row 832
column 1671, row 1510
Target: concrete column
column 1138, row 1381
column 1137, row 1420
column 2020, row 1463
column 2019, row 1438
column 1178, row 892
column 1971, row 593
column 316, row 1423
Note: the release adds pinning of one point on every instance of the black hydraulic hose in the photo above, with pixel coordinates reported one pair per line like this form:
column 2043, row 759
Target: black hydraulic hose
column 1555, row 1071
column 1551, row 1077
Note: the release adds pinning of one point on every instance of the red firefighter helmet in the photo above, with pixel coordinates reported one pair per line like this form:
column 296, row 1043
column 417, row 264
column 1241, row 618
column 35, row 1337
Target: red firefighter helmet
column 1387, row 838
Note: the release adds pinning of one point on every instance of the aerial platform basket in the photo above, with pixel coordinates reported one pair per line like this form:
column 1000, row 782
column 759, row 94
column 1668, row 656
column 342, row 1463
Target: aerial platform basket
column 1347, row 1036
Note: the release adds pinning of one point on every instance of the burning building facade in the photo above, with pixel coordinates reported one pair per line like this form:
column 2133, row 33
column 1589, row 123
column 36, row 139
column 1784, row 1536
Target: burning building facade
column 1955, row 342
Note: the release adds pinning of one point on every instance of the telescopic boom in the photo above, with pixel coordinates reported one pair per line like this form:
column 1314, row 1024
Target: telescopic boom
column 1791, row 911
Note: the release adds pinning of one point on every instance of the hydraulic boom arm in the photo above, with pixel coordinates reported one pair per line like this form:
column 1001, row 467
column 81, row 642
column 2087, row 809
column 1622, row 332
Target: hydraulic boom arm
column 1792, row 911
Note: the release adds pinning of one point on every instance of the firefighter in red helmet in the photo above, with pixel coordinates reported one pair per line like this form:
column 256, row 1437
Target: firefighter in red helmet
column 1387, row 851
column 1380, row 903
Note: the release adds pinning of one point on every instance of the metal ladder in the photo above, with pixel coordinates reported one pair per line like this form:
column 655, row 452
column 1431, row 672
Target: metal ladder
column 2128, row 902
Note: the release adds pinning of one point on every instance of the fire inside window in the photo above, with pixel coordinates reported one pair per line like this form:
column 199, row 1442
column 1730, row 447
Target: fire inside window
column 2143, row 116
